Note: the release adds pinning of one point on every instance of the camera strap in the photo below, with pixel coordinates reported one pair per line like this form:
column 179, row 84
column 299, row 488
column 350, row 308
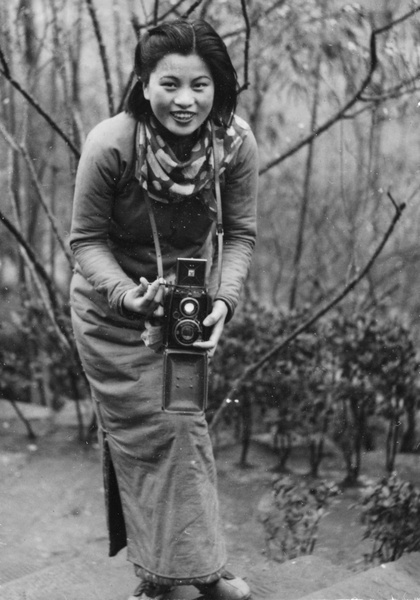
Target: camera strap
column 219, row 221
column 156, row 242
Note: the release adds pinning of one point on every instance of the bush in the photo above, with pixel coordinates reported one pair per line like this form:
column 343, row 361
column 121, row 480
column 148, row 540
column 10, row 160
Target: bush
column 292, row 518
column 391, row 513
column 33, row 364
column 329, row 382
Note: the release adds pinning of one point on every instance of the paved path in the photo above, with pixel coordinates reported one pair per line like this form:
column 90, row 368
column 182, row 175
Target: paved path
column 306, row 578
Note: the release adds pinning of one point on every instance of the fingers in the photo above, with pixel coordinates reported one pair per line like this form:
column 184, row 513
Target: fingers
column 146, row 297
column 152, row 299
column 217, row 314
column 216, row 319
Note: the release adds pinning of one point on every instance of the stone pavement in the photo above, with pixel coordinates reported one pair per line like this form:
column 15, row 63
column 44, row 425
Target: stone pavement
column 306, row 578
column 94, row 576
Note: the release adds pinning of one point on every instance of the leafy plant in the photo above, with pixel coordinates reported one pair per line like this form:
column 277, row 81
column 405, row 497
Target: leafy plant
column 276, row 388
column 391, row 513
column 34, row 366
column 292, row 520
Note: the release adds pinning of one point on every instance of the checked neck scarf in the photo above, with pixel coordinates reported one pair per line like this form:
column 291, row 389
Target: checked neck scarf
column 167, row 179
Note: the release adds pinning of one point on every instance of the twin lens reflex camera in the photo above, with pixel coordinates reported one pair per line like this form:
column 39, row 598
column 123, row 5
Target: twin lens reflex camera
column 186, row 305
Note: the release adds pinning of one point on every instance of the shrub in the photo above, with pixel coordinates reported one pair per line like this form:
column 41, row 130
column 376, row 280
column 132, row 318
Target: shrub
column 32, row 359
column 391, row 513
column 292, row 519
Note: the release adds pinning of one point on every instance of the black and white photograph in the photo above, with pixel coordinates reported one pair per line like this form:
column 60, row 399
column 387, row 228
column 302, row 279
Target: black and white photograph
column 209, row 300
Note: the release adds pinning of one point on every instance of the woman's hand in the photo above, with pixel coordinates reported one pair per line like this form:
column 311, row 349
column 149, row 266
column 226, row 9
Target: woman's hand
column 146, row 299
column 215, row 319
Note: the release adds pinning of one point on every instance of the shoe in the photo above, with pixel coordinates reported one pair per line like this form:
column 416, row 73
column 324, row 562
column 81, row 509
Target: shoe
column 228, row 587
column 150, row 591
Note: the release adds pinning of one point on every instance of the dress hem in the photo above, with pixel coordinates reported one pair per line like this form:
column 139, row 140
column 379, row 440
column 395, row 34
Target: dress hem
column 147, row 575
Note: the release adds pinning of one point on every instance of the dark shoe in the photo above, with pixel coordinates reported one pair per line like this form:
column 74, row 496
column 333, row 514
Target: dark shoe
column 228, row 587
column 150, row 591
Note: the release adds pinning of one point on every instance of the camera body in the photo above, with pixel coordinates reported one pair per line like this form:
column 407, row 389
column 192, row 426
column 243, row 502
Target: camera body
column 185, row 368
column 186, row 305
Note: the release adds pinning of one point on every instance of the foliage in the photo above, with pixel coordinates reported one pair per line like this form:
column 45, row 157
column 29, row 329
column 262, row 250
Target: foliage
column 328, row 383
column 67, row 65
column 33, row 364
column 292, row 520
column 391, row 513
column 274, row 391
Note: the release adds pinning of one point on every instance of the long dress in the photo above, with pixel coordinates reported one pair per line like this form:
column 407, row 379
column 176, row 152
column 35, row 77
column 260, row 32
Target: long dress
column 159, row 471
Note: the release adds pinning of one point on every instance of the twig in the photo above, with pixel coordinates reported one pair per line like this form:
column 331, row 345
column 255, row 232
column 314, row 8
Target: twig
column 126, row 91
column 309, row 322
column 245, row 85
column 156, row 12
column 20, row 148
column 171, row 10
column 31, row 434
column 50, row 216
column 396, row 92
column 103, row 55
column 255, row 20
column 191, row 9
column 5, row 71
column 351, row 102
column 61, row 330
column 38, row 266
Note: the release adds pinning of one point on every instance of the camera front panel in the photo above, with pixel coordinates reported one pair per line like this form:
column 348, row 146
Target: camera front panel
column 185, row 311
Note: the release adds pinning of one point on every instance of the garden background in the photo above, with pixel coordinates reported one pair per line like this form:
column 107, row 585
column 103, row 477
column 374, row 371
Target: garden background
column 322, row 358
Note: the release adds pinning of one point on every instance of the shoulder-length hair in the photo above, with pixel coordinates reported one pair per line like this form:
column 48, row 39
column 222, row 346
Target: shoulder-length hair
column 186, row 37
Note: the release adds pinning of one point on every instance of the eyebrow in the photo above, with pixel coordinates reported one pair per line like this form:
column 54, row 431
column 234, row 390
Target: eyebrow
column 169, row 76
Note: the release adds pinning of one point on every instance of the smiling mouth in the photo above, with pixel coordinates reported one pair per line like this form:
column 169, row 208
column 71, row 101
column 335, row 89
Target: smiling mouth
column 183, row 117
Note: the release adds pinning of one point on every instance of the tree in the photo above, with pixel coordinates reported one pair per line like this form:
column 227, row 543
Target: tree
column 329, row 79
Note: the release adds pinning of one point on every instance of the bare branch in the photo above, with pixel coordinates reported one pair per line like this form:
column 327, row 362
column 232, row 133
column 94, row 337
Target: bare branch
column 103, row 55
column 403, row 17
column 20, row 148
column 5, row 71
column 126, row 91
column 255, row 19
column 191, row 9
column 340, row 114
column 156, row 12
column 171, row 10
column 245, row 85
column 251, row 369
column 31, row 434
column 38, row 266
column 137, row 26
column 62, row 333
column 392, row 200
column 399, row 90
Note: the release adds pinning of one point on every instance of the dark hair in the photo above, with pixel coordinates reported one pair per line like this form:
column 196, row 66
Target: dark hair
column 186, row 37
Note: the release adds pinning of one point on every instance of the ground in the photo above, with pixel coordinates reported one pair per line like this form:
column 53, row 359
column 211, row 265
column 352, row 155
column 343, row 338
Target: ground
column 51, row 499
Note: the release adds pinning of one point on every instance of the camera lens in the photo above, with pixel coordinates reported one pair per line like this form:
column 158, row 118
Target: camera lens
column 187, row 332
column 189, row 307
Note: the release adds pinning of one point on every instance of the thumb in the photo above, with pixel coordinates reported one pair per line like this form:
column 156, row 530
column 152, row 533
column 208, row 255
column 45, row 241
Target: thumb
column 218, row 312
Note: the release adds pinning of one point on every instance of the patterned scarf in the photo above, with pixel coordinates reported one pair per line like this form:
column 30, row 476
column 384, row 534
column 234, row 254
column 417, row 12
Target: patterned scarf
column 167, row 179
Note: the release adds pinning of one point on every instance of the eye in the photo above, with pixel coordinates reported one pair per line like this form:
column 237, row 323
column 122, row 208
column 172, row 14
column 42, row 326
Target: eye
column 168, row 85
column 201, row 85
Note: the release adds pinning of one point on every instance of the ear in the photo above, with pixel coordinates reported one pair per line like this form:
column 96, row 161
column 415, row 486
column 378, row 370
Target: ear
column 146, row 91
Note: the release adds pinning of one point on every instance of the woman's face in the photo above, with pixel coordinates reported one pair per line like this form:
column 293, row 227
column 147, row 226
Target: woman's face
column 181, row 92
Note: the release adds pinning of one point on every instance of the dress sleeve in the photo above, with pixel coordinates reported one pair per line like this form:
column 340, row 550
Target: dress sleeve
column 239, row 199
column 98, row 173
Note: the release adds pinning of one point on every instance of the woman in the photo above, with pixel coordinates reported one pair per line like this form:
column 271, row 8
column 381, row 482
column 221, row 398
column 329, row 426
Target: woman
column 159, row 469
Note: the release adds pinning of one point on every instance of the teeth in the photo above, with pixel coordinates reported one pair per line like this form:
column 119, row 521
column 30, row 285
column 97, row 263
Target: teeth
column 183, row 116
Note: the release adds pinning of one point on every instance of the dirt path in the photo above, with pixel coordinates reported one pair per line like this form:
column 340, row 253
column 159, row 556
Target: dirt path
column 51, row 503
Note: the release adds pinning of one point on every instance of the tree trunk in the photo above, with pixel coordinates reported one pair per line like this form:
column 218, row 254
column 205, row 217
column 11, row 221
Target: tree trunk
column 246, row 414
column 306, row 192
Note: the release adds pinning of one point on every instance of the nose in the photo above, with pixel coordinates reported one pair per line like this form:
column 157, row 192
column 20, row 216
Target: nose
column 184, row 97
